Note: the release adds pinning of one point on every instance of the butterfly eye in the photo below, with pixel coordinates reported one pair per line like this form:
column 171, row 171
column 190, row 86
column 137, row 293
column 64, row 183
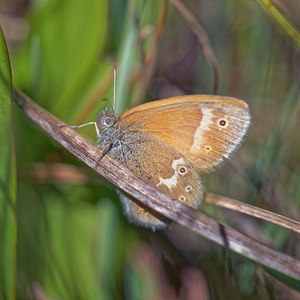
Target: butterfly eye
column 223, row 123
column 182, row 170
column 108, row 121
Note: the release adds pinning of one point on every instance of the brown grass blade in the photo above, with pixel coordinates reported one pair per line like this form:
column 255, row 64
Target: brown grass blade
column 149, row 196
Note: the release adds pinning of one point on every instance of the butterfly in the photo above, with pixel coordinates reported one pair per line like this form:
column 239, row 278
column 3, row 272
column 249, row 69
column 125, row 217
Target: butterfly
column 170, row 142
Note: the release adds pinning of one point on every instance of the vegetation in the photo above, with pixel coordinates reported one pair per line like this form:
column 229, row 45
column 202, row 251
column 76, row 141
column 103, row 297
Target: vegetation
column 70, row 236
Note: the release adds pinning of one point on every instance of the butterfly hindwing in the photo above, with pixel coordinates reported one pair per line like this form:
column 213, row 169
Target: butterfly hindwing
column 164, row 168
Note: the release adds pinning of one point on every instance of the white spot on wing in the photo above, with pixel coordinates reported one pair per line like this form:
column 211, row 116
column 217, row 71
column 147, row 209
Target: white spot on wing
column 172, row 181
column 206, row 120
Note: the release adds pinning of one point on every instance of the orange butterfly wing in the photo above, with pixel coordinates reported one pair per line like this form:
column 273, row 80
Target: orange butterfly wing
column 204, row 128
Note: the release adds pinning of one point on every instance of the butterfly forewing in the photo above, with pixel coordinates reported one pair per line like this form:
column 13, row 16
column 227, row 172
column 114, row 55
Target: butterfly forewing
column 204, row 128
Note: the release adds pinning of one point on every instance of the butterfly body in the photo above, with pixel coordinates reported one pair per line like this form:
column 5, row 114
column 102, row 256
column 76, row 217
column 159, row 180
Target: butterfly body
column 169, row 142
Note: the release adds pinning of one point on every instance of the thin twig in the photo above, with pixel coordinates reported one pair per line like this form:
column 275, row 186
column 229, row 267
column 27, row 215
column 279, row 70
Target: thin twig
column 153, row 198
column 253, row 211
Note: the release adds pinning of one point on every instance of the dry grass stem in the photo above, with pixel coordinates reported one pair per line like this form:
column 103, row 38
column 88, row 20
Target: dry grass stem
column 253, row 211
column 149, row 196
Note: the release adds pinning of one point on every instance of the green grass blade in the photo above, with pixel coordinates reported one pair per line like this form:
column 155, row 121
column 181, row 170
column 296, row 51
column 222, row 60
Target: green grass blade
column 7, row 180
column 62, row 51
column 281, row 21
column 125, row 62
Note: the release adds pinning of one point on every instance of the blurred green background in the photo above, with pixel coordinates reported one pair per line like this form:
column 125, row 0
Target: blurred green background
column 73, row 241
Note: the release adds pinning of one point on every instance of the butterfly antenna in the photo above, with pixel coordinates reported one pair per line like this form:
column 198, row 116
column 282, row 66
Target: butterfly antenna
column 108, row 104
column 115, row 81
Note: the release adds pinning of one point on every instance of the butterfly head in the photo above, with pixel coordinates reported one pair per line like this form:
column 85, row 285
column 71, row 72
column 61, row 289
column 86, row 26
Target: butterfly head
column 106, row 119
column 108, row 122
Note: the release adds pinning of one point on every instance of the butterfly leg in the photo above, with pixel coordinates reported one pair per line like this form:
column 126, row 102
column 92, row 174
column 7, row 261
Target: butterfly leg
column 121, row 150
column 104, row 151
column 107, row 148
column 85, row 124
